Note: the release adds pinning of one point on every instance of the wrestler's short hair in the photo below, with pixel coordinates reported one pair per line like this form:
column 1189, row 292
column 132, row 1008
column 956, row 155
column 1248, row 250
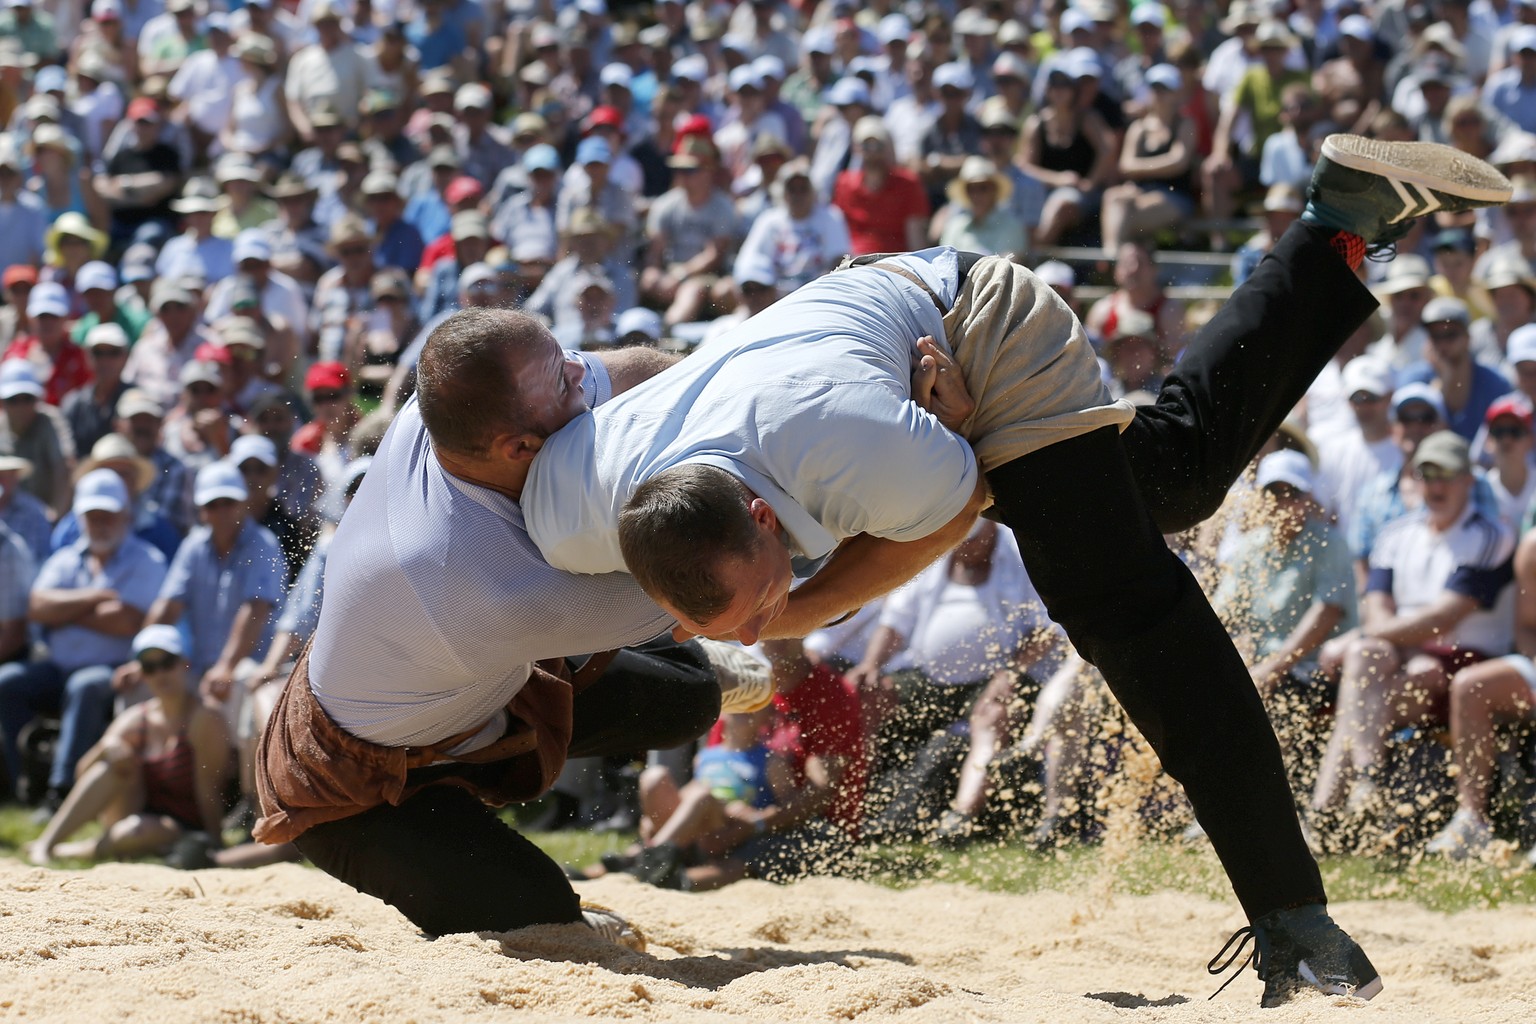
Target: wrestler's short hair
column 466, row 383
column 677, row 528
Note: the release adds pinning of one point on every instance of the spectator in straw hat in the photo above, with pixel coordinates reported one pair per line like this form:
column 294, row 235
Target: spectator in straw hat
column 470, row 237
column 199, row 427
column 384, row 140
column 1406, row 291
column 979, row 217
column 297, row 239
column 1282, row 206
column 197, row 206
column 1454, row 251
column 244, row 205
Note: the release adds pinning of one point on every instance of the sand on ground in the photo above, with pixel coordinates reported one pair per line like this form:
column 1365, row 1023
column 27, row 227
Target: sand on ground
column 289, row 944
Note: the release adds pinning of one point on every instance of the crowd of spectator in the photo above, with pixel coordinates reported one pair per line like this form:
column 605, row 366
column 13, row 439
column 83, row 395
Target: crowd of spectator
column 227, row 229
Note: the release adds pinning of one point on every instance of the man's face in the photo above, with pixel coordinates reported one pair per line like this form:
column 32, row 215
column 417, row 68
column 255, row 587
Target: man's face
column 1446, row 491
column 550, row 383
column 50, row 328
column 20, row 411
column 1368, row 408
column 760, row 583
column 223, row 516
column 1510, row 436
column 104, row 530
column 1409, row 303
column 143, row 429
column 259, row 477
column 1450, row 341
column 1414, row 422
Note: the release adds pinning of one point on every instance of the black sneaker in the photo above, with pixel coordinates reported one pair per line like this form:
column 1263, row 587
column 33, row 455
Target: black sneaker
column 1375, row 189
column 1298, row 949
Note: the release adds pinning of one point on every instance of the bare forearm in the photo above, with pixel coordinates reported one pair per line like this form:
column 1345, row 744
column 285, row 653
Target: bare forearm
column 862, row 569
column 628, row 367
column 52, row 608
column 246, row 630
column 1315, row 626
column 1421, row 627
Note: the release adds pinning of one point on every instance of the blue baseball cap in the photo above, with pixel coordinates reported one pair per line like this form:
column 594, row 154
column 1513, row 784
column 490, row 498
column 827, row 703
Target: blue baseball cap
column 544, row 157
column 594, row 149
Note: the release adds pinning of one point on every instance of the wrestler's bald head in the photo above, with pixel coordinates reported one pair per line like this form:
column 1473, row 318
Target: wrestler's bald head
column 466, row 380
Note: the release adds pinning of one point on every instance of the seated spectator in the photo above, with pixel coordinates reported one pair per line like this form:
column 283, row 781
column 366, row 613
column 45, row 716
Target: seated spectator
column 16, row 570
column 140, row 177
column 814, row 819
column 256, row 458
column 463, row 195
column 258, row 117
column 637, row 326
column 691, row 233
column 1287, row 589
column 589, row 243
column 97, row 285
column 33, row 430
column 170, row 341
column 1454, row 249
column 1437, row 600
column 239, row 350
column 300, row 484
column 1069, row 150
column 1406, row 292
column 1507, row 435
column 159, row 772
column 757, row 288
column 471, row 238
column 884, row 205
column 60, row 364
column 954, row 133
column 1467, row 387
column 1159, row 151
column 1137, row 288
column 1483, row 698
column 88, row 601
column 1511, row 288
column 802, row 237
column 140, row 420
column 91, row 408
column 297, row 238
column 117, row 453
column 343, row 293
column 199, row 428
column 20, row 511
column 978, row 217
column 197, row 205
column 1351, row 460
column 18, row 283
column 242, row 207
column 398, row 243
column 326, row 438
column 23, row 216
column 374, row 344
column 226, row 578
column 282, row 300
column 1137, row 361
column 529, row 214
column 968, row 619
column 595, row 306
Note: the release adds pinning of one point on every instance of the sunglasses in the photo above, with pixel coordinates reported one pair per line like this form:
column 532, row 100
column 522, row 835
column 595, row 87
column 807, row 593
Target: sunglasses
column 1433, row 474
column 352, row 250
column 1365, row 398
column 1418, row 419
column 149, row 666
column 326, row 397
column 1282, row 492
column 202, row 389
column 108, row 352
column 1508, row 433
column 1447, row 333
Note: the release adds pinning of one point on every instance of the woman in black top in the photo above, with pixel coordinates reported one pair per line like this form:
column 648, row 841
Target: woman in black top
column 1159, row 153
column 1071, row 152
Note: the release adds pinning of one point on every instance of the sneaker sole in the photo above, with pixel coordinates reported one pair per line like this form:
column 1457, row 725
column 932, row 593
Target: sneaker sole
column 1370, row 990
column 1444, row 169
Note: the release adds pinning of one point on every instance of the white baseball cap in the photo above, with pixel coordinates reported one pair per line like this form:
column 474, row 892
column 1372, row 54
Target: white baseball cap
column 954, row 75
column 96, row 274
column 48, row 298
column 217, row 480
column 638, row 321
column 106, row 334
column 252, row 244
column 1521, row 346
column 19, row 377
column 100, row 490
column 1286, row 467
column 1056, row 274
column 1363, row 373
column 159, row 638
column 253, row 446
column 618, row 74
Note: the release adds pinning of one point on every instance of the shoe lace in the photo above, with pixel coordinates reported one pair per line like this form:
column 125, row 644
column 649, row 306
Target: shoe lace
column 1243, row 938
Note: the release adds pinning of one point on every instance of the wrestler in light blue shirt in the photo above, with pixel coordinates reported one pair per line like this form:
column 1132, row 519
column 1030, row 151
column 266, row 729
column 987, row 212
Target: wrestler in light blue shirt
column 437, row 603
column 809, row 404
column 135, row 570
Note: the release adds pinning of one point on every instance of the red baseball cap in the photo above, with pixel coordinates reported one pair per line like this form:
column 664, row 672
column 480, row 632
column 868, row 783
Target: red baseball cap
column 208, row 352
column 462, row 189
column 143, row 109
column 603, row 116
column 694, row 124
column 327, row 377
column 19, row 273
column 1517, row 406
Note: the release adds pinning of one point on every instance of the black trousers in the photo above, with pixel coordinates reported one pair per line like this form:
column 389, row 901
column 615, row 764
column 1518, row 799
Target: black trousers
column 449, row 863
column 1089, row 514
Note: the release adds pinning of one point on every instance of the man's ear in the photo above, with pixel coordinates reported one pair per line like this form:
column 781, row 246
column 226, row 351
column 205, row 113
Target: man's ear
column 763, row 515
column 516, row 447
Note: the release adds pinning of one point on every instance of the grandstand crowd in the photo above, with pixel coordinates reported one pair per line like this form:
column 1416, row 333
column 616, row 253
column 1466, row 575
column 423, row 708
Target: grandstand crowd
column 227, row 230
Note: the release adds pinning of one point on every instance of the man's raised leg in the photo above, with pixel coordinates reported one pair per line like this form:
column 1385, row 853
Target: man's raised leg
column 1248, row 367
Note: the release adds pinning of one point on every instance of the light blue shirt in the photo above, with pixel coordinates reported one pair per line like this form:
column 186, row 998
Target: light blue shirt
column 437, row 603
column 1505, row 93
column 136, row 571
column 809, row 404
column 16, row 568
column 212, row 589
column 27, row 517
